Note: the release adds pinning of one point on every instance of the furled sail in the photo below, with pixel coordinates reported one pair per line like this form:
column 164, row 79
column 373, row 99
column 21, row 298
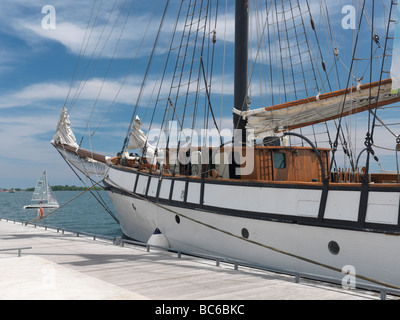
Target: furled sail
column 138, row 140
column 305, row 112
column 64, row 134
column 89, row 163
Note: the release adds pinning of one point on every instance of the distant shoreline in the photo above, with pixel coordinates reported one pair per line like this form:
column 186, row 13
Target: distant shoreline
column 54, row 188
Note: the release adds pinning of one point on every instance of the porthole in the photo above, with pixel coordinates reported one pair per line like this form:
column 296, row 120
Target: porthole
column 245, row 233
column 177, row 219
column 333, row 247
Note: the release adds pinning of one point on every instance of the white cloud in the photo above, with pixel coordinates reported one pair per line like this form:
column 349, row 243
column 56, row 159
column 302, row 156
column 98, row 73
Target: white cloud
column 68, row 34
column 18, row 135
column 58, row 91
column 108, row 36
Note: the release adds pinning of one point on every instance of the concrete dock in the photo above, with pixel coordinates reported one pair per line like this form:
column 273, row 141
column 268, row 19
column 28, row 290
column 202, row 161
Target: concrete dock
column 63, row 266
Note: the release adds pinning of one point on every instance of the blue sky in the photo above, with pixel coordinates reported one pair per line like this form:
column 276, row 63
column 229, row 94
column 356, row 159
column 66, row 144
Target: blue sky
column 37, row 65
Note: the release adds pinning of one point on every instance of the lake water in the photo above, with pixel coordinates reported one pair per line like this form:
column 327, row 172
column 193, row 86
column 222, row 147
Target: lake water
column 84, row 214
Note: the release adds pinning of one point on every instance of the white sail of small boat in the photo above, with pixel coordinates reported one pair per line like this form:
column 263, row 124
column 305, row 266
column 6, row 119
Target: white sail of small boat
column 43, row 196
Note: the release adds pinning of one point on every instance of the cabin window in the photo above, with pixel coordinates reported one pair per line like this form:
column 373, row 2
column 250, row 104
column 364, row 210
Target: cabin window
column 279, row 160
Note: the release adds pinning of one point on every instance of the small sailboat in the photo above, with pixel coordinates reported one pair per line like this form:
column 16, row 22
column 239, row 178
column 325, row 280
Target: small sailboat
column 43, row 196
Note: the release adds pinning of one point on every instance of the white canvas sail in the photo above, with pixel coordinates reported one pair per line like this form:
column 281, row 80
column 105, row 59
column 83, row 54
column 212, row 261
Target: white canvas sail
column 40, row 192
column 64, row 137
column 51, row 199
column 64, row 133
column 138, row 140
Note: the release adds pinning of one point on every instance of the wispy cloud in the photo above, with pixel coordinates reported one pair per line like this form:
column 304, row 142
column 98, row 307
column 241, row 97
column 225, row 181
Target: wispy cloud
column 110, row 28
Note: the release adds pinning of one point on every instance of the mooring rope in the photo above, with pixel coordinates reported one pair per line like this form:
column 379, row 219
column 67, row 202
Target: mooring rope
column 378, row 282
column 83, row 192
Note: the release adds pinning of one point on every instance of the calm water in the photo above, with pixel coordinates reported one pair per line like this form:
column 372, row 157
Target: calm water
column 83, row 214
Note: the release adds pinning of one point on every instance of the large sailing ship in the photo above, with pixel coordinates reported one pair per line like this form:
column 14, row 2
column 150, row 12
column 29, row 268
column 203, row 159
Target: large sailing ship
column 265, row 191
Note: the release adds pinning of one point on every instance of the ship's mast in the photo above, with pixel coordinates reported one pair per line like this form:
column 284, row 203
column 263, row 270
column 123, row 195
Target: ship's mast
column 241, row 62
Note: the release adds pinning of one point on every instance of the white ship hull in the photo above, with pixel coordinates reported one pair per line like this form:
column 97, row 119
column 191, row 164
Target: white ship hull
column 252, row 223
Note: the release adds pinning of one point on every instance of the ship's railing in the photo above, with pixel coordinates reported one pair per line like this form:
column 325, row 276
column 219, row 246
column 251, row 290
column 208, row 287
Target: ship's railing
column 119, row 241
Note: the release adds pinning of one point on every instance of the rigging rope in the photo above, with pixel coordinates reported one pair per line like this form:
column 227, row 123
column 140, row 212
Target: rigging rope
column 110, row 62
column 128, row 71
column 335, row 144
column 145, row 76
column 82, row 83
column 99, row 198
column 80, row 56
